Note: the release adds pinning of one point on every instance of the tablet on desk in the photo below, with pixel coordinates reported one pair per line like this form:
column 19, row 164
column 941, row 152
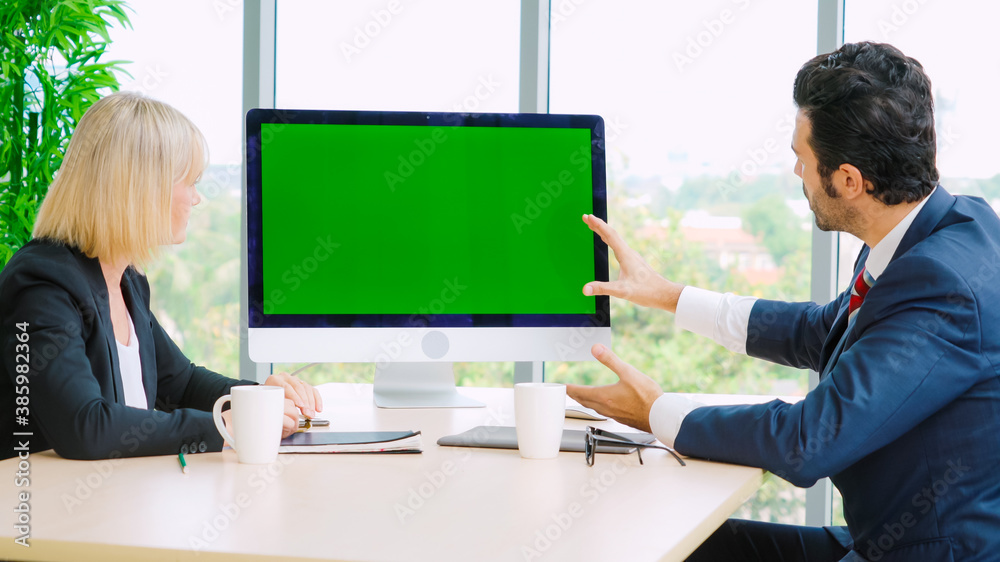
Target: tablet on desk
column 502, row 437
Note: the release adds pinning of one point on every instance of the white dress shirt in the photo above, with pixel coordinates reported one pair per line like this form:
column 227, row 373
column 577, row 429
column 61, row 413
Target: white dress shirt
column 131, row 369
column 725, row 318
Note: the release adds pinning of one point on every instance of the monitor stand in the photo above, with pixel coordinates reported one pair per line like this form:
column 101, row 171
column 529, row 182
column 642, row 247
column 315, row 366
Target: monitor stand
column 419, row 385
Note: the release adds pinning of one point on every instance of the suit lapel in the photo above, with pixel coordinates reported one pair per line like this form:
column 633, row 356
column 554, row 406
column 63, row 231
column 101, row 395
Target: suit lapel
column 833, row 344
column 938, row 204
column 923, row 225
column 144, row 333
column 99, row 288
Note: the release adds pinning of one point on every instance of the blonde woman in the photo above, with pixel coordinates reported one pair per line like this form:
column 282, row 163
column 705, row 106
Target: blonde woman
column 99, row 377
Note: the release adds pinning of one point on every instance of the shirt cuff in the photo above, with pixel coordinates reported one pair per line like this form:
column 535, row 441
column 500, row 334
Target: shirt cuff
column 696, row 311
column 667, row 414
column 722, row 317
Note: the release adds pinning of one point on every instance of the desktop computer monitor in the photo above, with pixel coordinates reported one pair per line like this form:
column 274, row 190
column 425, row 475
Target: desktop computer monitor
column 413, row 240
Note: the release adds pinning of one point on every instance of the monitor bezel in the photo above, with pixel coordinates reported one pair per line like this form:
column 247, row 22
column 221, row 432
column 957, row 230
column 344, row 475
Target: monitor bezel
column 258, row 317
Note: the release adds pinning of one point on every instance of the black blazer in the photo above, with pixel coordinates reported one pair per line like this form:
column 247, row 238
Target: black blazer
column 76, row 404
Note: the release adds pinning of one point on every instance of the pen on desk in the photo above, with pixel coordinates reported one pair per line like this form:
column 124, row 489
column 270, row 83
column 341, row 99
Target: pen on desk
column 184, row 464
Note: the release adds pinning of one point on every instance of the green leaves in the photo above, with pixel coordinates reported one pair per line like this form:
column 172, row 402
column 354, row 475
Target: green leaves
column 50, row 55
column 780, row 231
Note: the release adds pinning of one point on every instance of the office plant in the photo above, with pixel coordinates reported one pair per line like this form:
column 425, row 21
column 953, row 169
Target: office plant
column 50, row 73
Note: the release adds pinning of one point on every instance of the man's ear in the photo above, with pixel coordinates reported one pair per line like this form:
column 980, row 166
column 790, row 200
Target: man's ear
column 849, row 181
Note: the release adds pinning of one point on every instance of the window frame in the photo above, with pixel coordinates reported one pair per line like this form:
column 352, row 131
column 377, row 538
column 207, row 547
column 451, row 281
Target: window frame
column 259, row 41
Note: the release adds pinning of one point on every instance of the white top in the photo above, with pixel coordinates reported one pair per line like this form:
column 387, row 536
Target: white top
column 725, row 317
column 131, row 368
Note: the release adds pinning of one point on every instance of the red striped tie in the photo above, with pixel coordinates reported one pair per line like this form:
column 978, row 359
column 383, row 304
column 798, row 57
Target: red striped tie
column 862, row 284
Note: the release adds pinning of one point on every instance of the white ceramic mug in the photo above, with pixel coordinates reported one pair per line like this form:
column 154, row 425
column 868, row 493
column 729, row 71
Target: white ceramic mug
column 539, row 414
column 257, row 416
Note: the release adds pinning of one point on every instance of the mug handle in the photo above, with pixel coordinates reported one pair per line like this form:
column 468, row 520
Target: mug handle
column 217, row 417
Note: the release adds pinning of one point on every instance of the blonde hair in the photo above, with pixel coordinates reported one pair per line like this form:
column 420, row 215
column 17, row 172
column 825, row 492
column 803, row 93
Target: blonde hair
column 111, row 197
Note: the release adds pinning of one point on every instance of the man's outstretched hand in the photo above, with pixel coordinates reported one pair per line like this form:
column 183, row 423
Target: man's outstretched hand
column 628, row 401
column 637, row 281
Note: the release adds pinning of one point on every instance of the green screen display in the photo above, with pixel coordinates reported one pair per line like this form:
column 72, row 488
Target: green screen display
column 395, row 219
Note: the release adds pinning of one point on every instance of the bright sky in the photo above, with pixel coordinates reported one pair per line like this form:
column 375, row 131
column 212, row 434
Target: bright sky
column 956, row 42
column 686, row 87
column 189, row 53
column 695, row 87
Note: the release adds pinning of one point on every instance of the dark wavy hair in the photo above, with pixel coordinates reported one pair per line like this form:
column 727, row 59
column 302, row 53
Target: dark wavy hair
column 870, row 106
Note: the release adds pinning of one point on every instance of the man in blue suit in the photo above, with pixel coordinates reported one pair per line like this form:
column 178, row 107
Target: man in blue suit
column 906, row 416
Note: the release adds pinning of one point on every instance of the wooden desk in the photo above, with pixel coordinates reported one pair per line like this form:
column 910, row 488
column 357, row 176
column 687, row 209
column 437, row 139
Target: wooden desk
column 445, row 504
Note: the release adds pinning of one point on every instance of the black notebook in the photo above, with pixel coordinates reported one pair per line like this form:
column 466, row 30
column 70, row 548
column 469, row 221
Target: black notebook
column 351, row 442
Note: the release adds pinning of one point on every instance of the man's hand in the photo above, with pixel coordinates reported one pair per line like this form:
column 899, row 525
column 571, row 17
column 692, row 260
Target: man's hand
column 637, row 281
column 302, row 394
column 628, row 401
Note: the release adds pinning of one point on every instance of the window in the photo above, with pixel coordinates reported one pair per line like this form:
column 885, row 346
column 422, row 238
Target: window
column 378, row 55
column 446, row 55
column 699, row 115
column 964, row 91
column 189, row 54
column 946, row 39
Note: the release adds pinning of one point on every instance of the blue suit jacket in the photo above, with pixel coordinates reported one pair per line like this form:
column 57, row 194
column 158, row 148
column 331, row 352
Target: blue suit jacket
column 906, row 416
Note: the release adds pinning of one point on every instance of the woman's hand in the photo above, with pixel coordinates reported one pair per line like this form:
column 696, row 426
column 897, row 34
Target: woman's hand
column 289, row 422
column 302, row 394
